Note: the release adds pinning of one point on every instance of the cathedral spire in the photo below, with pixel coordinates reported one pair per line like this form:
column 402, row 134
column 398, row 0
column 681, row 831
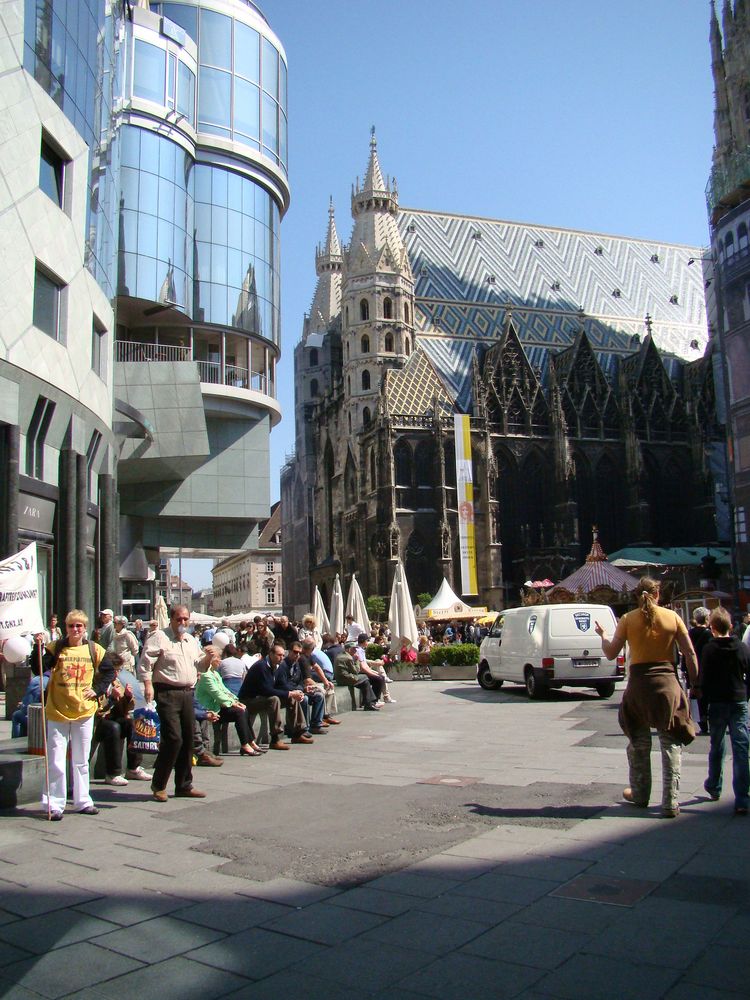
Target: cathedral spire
column 326, row 304
column 328, row 256
column 376, row 191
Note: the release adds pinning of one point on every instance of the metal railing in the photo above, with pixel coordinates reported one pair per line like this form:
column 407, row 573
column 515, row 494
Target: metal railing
column 210, row 372
column 128, row 350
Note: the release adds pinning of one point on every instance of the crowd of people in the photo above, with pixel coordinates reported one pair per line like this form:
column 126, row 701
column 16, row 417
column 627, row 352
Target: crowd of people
column 194, row 677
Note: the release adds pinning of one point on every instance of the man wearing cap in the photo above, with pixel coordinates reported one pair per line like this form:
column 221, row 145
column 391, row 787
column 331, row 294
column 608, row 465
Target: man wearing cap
column 347, row 669
column 169, row 667
column 107, row 628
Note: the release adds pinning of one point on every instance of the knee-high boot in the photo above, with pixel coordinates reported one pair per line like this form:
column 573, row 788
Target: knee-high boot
column 639, row 759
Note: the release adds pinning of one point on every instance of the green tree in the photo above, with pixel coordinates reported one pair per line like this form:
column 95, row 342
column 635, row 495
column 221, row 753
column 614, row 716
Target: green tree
column 423, row 599
column 375, row 607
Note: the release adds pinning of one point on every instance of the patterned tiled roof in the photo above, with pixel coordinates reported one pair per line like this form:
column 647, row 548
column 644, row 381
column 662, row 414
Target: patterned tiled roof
column 413, row 389
column 468, row 271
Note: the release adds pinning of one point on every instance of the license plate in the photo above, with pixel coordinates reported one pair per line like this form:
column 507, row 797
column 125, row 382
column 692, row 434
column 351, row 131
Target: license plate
column 585, row 663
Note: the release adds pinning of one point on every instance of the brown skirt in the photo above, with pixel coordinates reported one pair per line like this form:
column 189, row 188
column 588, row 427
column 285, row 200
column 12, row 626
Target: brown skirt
column 654, row 699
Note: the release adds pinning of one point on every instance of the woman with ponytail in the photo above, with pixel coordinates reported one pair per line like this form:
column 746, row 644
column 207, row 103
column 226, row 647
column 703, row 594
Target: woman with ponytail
column 653, row 698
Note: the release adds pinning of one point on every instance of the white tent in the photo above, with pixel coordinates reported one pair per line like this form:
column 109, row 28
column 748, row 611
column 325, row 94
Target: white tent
column 401, row 620
column 356, row 607
column 337, row 607
column 319, row 612
column 447, row 604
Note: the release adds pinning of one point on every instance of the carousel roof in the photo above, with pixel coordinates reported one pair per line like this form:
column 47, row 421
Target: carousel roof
column 597, row 572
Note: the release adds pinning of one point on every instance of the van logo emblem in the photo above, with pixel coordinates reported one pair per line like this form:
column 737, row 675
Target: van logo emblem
column 532, row 623
column 582, row 620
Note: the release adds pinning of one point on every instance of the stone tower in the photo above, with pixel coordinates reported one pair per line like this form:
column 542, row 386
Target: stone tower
column 377, row 294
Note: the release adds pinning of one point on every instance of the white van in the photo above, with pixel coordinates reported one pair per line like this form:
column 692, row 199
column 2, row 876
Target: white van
column 550, row 646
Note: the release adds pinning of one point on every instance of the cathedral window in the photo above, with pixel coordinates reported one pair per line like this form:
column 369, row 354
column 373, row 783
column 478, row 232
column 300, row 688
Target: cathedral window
column 366, row 417
column 407, row 347
column 406, row 312
column 365, row 380
column 364, row 309
column 373, row 470
column 346, row 314
column 313, row 357
column 313, row 388
column 387, row 309
column 742, row 238
column 729, row 244
column 389, row 342
column 365, row 344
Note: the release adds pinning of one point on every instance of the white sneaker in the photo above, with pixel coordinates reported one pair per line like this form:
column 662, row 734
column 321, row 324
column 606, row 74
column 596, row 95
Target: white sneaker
column 379, row 704
column 115, row 779
column 389, row 700
column 139, row 774
column 387, row 679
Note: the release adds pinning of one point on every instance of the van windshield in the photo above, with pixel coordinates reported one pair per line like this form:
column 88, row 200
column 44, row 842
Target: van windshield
column 574, row 623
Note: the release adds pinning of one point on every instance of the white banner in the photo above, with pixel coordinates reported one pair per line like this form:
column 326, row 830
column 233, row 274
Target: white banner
column 465, row 484
column 19, row 594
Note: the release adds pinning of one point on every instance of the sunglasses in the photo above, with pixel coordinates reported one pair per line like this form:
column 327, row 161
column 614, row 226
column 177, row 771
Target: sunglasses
column 76, row 625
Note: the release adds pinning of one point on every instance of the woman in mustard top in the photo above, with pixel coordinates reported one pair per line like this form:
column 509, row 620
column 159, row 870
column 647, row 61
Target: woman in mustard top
column 79, row 674
column 653, row 698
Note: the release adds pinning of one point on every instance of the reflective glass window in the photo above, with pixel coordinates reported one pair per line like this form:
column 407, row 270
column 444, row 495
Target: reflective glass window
column 216, row 39
column 214, row 94
column 186, row 17
column 51, row 172
column 270, row 124
column 270, row 69
column 282, row 83
column 283, row 153
column 246, row 51
column 47, row 304
column 148, row 74
column 186, row 92
column 246, row 108
column 148, row 193
column 171, row 80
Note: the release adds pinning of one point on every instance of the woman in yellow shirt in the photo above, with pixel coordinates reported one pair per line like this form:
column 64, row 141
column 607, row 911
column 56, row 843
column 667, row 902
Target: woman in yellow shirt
column 653, row 698
column 79, row 674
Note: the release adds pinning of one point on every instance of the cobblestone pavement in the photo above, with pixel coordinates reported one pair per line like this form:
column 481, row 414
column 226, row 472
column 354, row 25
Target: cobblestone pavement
column 459, row 843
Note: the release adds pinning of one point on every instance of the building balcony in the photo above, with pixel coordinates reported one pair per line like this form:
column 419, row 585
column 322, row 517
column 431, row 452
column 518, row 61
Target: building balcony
column 729, row 184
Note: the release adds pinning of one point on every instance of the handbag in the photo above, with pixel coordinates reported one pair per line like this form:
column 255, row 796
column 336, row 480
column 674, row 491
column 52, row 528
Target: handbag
column 144, row 735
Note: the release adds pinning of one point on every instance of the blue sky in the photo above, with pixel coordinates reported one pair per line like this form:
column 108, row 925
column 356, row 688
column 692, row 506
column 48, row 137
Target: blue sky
column 572, row 113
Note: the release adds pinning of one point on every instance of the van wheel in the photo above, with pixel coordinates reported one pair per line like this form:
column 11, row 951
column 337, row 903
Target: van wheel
column 606, row 690
column 534, row 688
column 485, row 678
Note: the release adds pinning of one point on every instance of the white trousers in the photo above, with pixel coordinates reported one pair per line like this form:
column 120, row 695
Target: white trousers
column 59, row 734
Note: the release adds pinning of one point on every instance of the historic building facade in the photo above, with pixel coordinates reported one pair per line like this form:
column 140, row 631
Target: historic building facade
column 251, row 580
column 727, row 268
column 582, row 359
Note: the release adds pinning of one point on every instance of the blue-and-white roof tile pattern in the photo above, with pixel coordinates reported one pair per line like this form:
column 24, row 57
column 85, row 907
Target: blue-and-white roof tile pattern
column 468, row 271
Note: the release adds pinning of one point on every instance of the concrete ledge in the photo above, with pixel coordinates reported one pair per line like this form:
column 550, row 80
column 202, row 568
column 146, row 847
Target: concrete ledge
column 445, row 672
column 21, row 774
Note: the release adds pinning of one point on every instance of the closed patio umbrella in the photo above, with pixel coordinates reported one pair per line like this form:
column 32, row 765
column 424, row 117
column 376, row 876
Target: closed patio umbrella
column 356, row 607
column 337, row 607
column 401, row 620
column 319, row 611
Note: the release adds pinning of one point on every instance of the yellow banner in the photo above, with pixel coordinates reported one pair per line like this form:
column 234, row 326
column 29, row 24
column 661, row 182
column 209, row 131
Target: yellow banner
column 465, row 488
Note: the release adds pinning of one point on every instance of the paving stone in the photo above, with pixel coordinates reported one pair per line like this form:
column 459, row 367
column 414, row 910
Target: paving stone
column 507, row 888
column 704, row 889
column 175, row 979
column 482, row 911
column 388, row 904
column 7, row 918
column 722, row 968
column 10, row 953
column 54, row 930
column 131, row 909
column 526, row 944
column 552, row 869
column 255, row 953
column 452, row 866
column 83, row 965
column 288, row 891
column 347, row 965
column 324, row 924
column 430, row 932
column 16, row 992
column 597, row 978
column 236, row 913
column 33, row 901
column 456, row 976
column 558, row 912
column 290, row 983
column 426, row 886
column 158, row 939
column 687, row 991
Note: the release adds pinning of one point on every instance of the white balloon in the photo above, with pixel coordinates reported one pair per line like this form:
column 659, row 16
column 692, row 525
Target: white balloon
column 220, row 640
column 16, row 649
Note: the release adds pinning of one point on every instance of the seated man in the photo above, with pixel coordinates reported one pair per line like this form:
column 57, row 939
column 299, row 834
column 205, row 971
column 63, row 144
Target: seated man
column 347, row 668
column 316, row 666
column 259, row 693
column 373, row 669
column 291, row 676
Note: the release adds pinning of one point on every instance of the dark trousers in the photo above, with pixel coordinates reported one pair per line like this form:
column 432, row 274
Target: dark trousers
column 238, row 716
column 271, row 707
column 176, row 720
column 378, row 685
column 111, row 732
column 367, row 694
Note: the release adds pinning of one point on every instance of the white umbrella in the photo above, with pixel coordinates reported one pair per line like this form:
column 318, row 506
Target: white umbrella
column 355, row 605
column 401, row 620
column 337, row 607
column 319, row 613
column 160, row 612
